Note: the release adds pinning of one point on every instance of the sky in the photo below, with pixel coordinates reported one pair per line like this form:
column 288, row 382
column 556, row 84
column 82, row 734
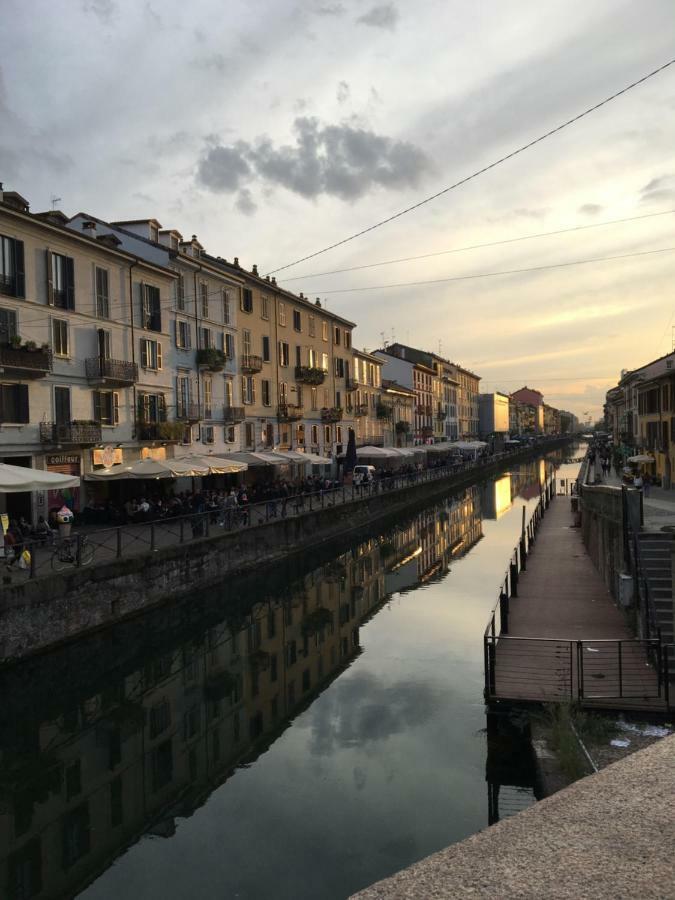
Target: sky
column 274, row 128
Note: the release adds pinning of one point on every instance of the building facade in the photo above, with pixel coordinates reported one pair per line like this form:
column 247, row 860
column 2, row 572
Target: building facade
column 365, row 404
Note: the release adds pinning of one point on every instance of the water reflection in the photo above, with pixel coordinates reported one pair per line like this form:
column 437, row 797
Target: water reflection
column 130, row 734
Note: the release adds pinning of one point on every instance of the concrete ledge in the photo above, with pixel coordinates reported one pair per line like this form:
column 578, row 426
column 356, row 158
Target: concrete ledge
column 607, row 836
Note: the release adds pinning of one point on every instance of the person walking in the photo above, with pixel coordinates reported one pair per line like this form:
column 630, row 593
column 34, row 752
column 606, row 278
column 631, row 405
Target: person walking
column 646, row 484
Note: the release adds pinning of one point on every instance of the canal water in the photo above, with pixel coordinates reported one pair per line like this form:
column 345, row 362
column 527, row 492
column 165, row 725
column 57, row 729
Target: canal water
column 298, row 734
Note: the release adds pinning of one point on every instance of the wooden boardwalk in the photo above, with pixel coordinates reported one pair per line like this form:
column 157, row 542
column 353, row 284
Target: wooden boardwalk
column 567, row 640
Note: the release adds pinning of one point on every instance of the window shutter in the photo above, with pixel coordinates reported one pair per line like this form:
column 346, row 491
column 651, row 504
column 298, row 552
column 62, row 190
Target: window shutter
column 176, row 332
column 141, row 293
column 70, row 282
column 115, row 408
column 159, row 354
column 161, row 407
column 252, row 389
column 22, row 403
column 19, row 272
column 50, row 282
column 97, row 406
column 144, row 353
column 243, row 389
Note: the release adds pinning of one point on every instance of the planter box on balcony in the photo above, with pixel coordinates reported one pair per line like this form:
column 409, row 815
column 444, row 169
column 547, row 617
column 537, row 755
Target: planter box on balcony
column 310, row 374
column 288, row 413
column 212, row 359
column 332, row 414
column 250, row 364
column 361, row 409
column 79, row 433
column 20, row 362
column 111, row 371
column 383, row 412
column 169, row 432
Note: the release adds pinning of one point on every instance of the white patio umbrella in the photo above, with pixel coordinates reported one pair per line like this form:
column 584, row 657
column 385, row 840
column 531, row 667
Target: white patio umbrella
column 298, row 456
column 641, row 458
column 375, row 452
column 255, row 459
column 214, row 465
column 18, row 479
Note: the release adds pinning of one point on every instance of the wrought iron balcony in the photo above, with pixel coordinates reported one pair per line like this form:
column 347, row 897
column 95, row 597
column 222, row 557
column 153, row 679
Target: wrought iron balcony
column 331, row 414
column 361, row 409
column 166, row 431
column 310, row 374
column 440, row 414
column 250, row 364
column 111, row 371
column 233, row 415
column 289, row 413
column 383, row 411
column 25, row 362
column 211, row 358
column 189, row 412
column 79, row 433
column 351, row 384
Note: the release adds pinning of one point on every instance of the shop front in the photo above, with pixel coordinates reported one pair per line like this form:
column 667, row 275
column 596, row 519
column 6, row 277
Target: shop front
column 63, row 464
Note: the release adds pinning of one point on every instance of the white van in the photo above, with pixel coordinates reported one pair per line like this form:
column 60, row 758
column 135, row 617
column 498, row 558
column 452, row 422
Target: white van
column 363, row 474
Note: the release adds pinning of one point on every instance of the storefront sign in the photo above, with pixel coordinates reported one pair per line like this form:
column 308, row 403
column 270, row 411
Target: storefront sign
column 156, row 453
column 108, row 456
column 65, row 464
column 63, row 459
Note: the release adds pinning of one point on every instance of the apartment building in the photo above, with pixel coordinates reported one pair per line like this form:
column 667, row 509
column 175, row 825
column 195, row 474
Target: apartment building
column 405, row 366
column 532, row 410
column 493, row 415
column 372, row 416
column 467, row 403
column 398, row 430
column 551, row 419
column 201, row 355
column 83, row 335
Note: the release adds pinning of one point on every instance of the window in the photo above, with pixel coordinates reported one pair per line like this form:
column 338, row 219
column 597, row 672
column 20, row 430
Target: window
column 229, row 392
column 151, row 354
column 336, row 335
column 60, row 281
column 283, row 392
column 162, row 765
column 116, row 810
column 249, row 435
column 104, row 343
column 7, row 325
column 107, row 407
column 204, row 299
column 73, row 779
column 264, row 308
column 160, row 718
column 297, row 320
column 246, row 300
column 282, row 314
column 246, row 342
column 324, row 361
column 266, row 348
column 151, row 408
column 338, row 433
column 183, row 335
column 60, row 337
column 315, row 435
column 102, row 294
column 229, row 345
column 25, row 871
column 180, row 293
column 326, row 435
column 151, row 313
column 266, row 400
column 229, row 434
column 12, row 278
column 248, row 389
column 311, row 326
column 298, row 355
column 300, row 435
column 208, row 435
column 284, row 353
column 75, row 835
column 348, row 339
column 314, row 398
column 339, row 367
column 208, row 398
column 227, row 307
column 324, row 331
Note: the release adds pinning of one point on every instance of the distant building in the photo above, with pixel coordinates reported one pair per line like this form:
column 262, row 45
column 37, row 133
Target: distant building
column 493, row 410
column 534, row 399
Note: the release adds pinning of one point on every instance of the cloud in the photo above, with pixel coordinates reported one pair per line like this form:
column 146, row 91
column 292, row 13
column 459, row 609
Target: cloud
column 385, row 15
column 344, row 161
column 103, row 9
column 245, row 203
column 591, row 209
column 660, row 189
column 216, row 61
column 343, row 92
column 330, row 9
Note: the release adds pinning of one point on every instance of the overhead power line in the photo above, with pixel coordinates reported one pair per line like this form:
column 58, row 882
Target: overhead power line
column 473, row 175
column 523, row 237
column 562, row 265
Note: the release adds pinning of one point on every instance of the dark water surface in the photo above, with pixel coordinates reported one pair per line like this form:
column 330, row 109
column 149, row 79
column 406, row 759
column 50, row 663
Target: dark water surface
column 302, row 736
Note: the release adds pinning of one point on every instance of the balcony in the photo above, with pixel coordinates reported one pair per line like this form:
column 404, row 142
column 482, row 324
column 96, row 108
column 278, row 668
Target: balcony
column 289, row 413
column 423, row 410
column 27, row 361
column 383, row 412
column 360, row 409
column 212, row 359
column 440, row 414
column 250, row 364
column 233, row 415
column 331, row 414
column 310, row 374
column 111, row 371
column 189, row 412
column 78, row 433
column 167, row 432
column 351, row 384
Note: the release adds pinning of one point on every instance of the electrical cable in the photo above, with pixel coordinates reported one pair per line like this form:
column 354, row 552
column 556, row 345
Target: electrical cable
column 562, row 265
column 524, row 237
column 481, row 171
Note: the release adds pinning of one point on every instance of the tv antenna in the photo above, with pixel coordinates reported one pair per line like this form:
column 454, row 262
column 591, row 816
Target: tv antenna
column 55, row 200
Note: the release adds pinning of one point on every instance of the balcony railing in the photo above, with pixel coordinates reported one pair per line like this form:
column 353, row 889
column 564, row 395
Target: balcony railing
column 440, row 414
column 423, row 410
column 360, row 409
column 211, row 358
column 189, row 412
column 310, row 374
column 111, row 371
column 331, row 414
column 233, row 415
column 351, row 384
column 383, row 412
column 289, row 413
column 25, row 362
column 166, row 431
column 79, row 433
column 250, row 364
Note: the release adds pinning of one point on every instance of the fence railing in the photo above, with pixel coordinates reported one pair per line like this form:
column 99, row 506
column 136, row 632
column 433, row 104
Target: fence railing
column 107, row 544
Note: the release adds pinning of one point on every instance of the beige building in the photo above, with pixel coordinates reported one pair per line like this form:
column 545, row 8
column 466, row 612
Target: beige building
column 468, row 392
column 372, row 416
column 401, row 401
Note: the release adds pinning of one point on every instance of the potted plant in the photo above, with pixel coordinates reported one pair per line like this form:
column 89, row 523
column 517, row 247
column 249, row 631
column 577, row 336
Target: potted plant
column 15, row 341
column 31, row 346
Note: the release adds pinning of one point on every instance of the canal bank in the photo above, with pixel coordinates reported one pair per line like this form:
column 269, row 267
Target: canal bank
column 42, row 612
column 218, row 745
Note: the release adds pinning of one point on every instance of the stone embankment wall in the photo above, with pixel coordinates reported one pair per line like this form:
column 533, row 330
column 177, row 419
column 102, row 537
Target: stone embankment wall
column 45, row 612
column 602, row 531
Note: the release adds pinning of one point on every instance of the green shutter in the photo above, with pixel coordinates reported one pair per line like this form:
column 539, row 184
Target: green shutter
column 19, row 272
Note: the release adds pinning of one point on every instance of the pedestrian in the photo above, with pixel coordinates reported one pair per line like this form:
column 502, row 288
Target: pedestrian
column 638, row 482
column 646, row 484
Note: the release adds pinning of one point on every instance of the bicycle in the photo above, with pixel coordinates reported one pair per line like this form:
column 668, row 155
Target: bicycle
column 66, row 554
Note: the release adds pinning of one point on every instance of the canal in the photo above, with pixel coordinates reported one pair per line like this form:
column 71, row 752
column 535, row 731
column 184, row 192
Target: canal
column 300, row 733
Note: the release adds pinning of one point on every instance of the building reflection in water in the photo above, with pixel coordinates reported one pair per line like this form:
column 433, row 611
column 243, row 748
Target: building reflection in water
column 84, row 774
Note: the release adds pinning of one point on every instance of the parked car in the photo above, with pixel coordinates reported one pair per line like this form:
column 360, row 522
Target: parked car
column 364, row 474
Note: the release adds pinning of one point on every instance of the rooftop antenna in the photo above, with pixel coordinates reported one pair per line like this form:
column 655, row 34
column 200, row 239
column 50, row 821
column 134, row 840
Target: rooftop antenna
column 55, row 200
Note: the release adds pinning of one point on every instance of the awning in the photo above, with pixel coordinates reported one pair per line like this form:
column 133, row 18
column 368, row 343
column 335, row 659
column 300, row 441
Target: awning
column 187, row 466
column 468, row 445
column 254, row 459
column 401, row 451
column 641, row 458
column 376, row 452
column 441, row 447
column 299, row 457
column 17, row 479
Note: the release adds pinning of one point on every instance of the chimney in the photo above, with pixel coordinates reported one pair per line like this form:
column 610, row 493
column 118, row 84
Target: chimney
column 274, row 281
column 317, row 302
column 236, row 261
column 254, row 269
column 301, row 295
column 267, row 278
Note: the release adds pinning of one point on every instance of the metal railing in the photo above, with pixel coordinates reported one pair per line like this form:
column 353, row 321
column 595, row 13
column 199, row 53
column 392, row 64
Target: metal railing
column 117, row 542
column 34, row 362
column 75, row 432
column 118, row 370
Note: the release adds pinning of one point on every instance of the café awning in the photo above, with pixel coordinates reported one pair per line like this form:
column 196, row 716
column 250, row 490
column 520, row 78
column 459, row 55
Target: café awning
column 299, row 457
column 187, row 466
column 255, row 459
column 370, row 452
column 18, row 479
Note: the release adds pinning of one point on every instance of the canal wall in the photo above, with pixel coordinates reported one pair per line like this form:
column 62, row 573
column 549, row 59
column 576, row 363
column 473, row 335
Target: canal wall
column 45, row 612
column 602, row 531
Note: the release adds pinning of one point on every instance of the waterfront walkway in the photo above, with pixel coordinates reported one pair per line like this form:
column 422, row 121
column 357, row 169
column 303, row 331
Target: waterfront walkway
column 567, row 640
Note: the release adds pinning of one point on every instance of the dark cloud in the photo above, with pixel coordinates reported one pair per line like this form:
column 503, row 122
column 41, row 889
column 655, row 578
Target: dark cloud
column 344, row 161
column 385, row 15
column 659, row 190
column 591, row 209
column 343, row 92
column 245, row 203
